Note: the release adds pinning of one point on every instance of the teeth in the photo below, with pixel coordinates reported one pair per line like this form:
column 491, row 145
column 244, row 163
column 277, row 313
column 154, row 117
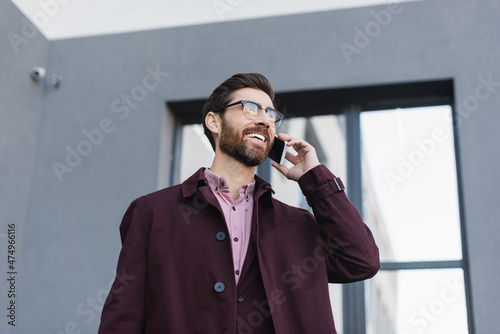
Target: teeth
column 256, row 135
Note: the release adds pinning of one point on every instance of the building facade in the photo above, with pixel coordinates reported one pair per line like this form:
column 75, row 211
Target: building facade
column 115, row 118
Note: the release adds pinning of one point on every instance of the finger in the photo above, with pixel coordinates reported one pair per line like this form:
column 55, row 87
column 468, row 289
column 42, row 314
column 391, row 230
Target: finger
column 294, row 141
column 297, row 143
column 291, row 157
column 284, row 136
column 281, row 168
column 288, row 138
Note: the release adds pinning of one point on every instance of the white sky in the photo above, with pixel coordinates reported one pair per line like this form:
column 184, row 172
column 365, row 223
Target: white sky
column 60, row 19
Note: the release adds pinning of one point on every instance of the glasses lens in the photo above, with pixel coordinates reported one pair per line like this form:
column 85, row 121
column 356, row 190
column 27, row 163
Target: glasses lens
column 274, row 116
column 251, row 110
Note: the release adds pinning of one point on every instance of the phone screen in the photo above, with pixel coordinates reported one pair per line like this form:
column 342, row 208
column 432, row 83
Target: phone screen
column 278, row 151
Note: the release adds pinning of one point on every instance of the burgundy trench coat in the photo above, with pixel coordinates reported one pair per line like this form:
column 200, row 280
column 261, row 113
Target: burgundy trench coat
column 175, row 270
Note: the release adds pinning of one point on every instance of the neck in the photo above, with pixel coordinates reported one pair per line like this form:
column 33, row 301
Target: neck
column 234, row 172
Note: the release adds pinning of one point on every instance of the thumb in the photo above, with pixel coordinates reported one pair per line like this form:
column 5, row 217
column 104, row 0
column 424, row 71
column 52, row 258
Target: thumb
column 281, row 168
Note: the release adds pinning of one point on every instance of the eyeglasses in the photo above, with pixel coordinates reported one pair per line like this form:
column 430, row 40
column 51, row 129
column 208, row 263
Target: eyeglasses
column 252, row 111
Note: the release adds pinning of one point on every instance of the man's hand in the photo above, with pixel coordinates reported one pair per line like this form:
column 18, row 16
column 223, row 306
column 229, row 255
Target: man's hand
column 306, row 157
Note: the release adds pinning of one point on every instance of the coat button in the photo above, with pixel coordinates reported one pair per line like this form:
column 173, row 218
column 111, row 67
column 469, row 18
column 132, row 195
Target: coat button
column 239, row 299
column 221, row 236
column 219, row 287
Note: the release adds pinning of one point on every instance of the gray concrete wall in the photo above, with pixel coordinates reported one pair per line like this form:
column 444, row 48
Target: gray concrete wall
column 22, row 47
column 101, row 130
column 69, row 228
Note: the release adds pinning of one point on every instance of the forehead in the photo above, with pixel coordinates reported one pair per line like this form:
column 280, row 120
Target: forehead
column 252, row 94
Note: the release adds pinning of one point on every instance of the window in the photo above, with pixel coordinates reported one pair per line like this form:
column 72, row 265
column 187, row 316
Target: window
column 394, row 146
column 410, row 200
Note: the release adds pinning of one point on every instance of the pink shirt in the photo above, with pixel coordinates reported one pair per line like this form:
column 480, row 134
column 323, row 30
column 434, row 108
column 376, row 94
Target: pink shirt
column 238, row 216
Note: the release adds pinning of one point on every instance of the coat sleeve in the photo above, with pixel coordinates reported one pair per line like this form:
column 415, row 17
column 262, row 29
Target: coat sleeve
column 124, row 309
column 350, row 249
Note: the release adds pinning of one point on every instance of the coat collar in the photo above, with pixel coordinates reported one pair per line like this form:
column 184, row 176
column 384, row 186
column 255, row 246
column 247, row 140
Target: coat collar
column 198, row 179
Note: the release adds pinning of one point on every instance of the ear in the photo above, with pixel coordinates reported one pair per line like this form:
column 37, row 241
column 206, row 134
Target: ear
column 213, row 122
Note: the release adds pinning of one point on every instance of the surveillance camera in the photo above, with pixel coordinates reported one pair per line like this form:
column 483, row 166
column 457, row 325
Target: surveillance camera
column 37, row 73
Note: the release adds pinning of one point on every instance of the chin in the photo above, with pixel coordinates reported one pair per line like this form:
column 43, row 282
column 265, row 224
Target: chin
column 250, row 157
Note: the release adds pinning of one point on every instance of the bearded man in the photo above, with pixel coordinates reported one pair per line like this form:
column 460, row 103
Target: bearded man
column 218, row 254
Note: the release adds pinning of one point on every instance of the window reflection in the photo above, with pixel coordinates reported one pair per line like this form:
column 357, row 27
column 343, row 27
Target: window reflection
column 410, row 183
column 416, row 302
column 196, row 151
column 410, row 201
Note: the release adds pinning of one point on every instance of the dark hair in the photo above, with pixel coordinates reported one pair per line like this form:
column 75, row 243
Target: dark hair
column 222, row 95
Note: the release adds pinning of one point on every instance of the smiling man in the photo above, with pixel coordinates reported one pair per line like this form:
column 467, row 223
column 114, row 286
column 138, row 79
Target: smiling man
column 218, row 254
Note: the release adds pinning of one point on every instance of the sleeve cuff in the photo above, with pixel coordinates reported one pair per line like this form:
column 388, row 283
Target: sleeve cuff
column 318, row 182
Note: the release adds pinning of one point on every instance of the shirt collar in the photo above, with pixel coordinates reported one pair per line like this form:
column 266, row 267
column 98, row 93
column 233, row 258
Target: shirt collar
column 219, row 184
column 199, row 179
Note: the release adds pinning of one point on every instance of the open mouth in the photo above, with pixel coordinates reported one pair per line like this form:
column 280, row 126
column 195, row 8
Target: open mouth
column 257, row 136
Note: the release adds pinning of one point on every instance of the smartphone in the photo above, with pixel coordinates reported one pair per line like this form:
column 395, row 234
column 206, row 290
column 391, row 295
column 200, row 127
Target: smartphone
column 278, row 151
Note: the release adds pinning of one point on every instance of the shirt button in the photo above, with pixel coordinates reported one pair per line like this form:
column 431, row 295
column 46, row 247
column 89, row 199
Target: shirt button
column 219, row 287
column 237, row 272
column 222, row 184
column 221, row 236
column 234, row 209
column 235, row 239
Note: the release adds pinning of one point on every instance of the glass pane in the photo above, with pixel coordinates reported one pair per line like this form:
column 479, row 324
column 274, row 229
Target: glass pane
column 337, row 306
column 416, row 302
column 410, row 183
column 196, row 151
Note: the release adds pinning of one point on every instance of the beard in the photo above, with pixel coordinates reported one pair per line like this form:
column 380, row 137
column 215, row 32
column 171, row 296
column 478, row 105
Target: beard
column 232, row 143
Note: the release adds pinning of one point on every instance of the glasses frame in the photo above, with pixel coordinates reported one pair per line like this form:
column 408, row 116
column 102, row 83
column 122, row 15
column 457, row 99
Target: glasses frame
column 278, row 114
